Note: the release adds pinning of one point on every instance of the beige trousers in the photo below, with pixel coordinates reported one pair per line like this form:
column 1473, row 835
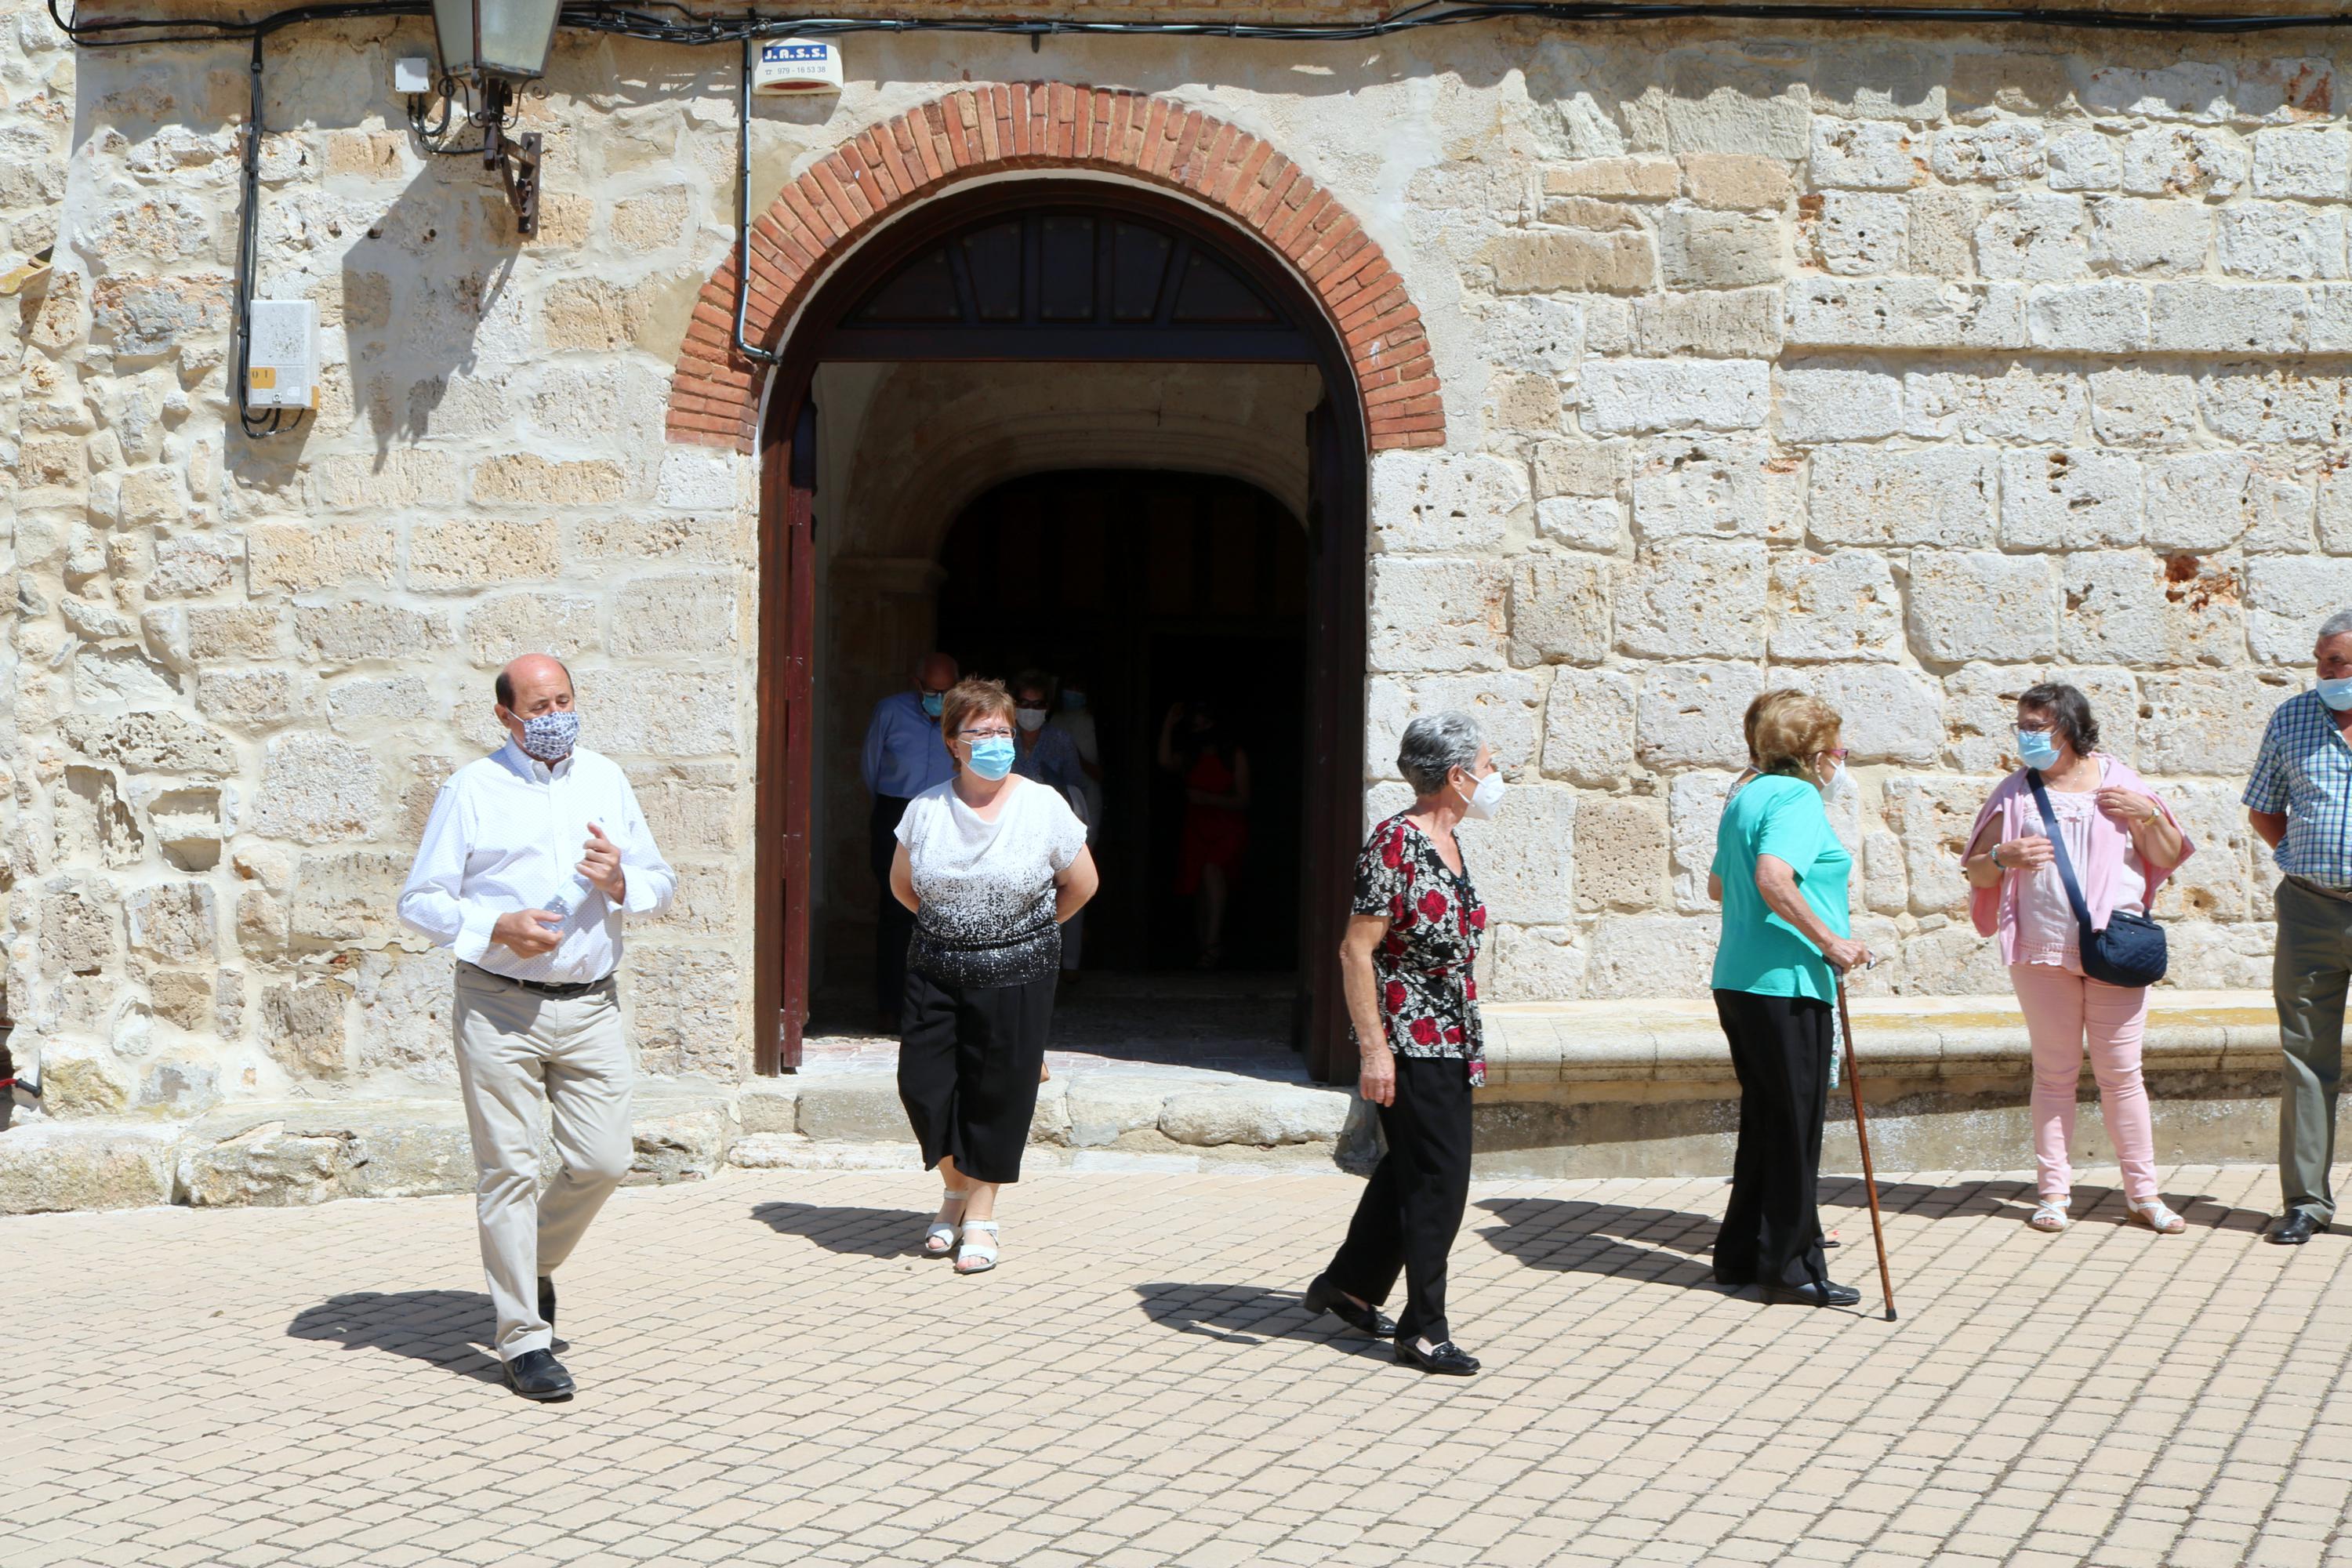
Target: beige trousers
column 517, row 1050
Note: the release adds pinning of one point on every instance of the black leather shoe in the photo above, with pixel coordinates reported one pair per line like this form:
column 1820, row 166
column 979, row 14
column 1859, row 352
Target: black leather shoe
column 1445, row 1357
column 1325, row 1296
column 547, row 1300
column 537, row 1375
column 2295, row 1227
column 1812, row 1293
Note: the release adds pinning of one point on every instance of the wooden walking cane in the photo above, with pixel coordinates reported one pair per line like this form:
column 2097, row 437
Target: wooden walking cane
column 1861, row 1136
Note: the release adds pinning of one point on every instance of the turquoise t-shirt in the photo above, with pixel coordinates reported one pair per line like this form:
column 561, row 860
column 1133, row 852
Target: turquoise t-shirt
column 1760, row 952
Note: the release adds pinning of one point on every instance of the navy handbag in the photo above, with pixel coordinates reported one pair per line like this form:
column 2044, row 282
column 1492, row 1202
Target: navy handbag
column 2130, row 951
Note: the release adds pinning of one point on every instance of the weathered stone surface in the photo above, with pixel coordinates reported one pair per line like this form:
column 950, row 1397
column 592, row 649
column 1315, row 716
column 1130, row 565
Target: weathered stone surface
column 2125, row 609
column 2285, row 601
column 2217, row 882
column 688, row 1146
column 662, row 714
column 1880, row 496
column 1507, row 707
column 473, row 550
column 2091, row 318
column 1569, row 260
column 1719, row 249
column 1588, row 727
column 80, row 924
column 82, row 1078
column 347, row 898
column 58, row 1166
column 267, row 1167
column 1716, row 486
column 2134, row 408
column 1733, row 323
column 176, row 923
column 1621, row 854
column 1693, row 596
column 1932, row 816
column 683, row 1006
column 358, row 630
column 1261, row 1117
column 154, row 741
column 1438, row 614
column 1694, row 808
column 1532, row 963
column 1526, row 872
column 1890, row 714
column 2226, row 318
column 1886, row 313
column 1842, row 605
column 1652, row 955
column 316, row 789
column 1866, row 155
column 2150, row 238
column 1821, row 403
column 304, row 1029
column 1974, row 604
column 1624, row 396
column 1445, row 504
column 507, row 625
column 1689, row 714
column 2070, row 498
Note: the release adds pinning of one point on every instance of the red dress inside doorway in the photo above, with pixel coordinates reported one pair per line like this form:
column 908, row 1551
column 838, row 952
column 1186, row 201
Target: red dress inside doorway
column 1214, row 835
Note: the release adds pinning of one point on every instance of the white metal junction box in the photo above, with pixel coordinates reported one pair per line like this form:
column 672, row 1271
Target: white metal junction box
column 797, row 65
column 412, row 76
column 282, row 355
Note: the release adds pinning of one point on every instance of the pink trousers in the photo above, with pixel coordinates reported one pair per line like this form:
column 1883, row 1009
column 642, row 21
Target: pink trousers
column 2062, row 1011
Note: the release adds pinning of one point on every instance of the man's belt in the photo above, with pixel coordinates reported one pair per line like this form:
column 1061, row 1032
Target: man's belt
column 2341, row 895
column 557, row 990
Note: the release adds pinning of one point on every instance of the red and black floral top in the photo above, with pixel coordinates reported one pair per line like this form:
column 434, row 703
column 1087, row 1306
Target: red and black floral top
column 1429, row 1000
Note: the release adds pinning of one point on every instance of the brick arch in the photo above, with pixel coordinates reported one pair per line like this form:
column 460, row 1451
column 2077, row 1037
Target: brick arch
column 992, row 128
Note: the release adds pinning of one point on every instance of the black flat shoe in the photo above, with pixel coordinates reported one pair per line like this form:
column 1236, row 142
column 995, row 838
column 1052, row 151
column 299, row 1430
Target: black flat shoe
column 537, row 1375
column 1325, row 1296
column 1812, row 1293
column 2295, row 1227
column 1445, row 1357
column 547, row 1301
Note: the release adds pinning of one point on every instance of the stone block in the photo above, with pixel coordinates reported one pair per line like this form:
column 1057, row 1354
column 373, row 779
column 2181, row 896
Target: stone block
column 1713, row 105
column 1904, row 313
column 1951, row 960
column 2037, row 237
column 1527, row 865
column 189, row 565
column 1520, row 403
column 357, row 629
column 2202, row 501
column 507, row 625
column 689, row 612
column 1621, row 854
column 1844, row 606
column 401, row 476
column 1859, row 233
column 688, row 1146
column 182, row 999
column 2084, row 160
column 104, row 676
column 2124, row 608
column 2005, row 152
column 594, row 314
column 2216, row 882
column 1701, row 249
column 2310, row 162
column 652, row 220
column 2184, row 161
column 473, row 552
column 1734, row 323
column 1588, row 727
column 1582, row 522
column 2208, row 957
column 51, row 1167
column 2329, row 324
column 233, row 633
column 2150, row 239
column 2071, row 499
column 1508, row 705
column 316, row 789
column 663, row 713
column 1942, row 239
column 1651, row 178
column 1736, row 181
column 250, row 701
column 1434, row 503
column 1533, row 964
column 1693, row 597
column 2260, row 404
column 1535, row 335
column 1694, row 808
column 1628, row 395
column 141, row 317
column 1689, row 715
column 2226, row 318
column 366, row 707
column 2287, row 599
column 1572, row 261
column 303, row 557
column 1819, row 402
column 2088, row 318
column 1890, row 714
column 2014, row 402
column 1886, row 881
column 1880, row 496
column 1438, row 615
column 174, row 922
column 1259, row 1115
column 2280, row 239
column 304, row 1028
column 526, row 479
column 770, row 1105
column 2134, row 408
column 347, row 899
column 1870, row 156
column 1559, row 609
column 1932, row 816
column 151, row 741
column 1652, row 956
column 2208, row 721
column 1975, row 603
column 1717, row 487
column 685, row 1002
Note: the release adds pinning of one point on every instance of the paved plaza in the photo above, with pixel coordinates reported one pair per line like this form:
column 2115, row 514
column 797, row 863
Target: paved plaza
column 769, row 1376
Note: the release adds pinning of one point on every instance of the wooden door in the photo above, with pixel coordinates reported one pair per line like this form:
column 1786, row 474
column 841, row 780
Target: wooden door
column 1335, row 717
column 787, row 740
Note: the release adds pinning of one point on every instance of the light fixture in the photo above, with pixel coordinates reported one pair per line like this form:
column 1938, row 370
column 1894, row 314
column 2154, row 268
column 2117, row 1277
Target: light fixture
column 494, row 46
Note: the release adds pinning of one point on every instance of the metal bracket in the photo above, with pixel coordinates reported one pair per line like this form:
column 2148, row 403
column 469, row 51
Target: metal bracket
column 516, row 159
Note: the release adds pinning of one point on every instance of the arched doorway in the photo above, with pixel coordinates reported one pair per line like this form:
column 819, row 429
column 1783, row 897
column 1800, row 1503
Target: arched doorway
column 1046, row 271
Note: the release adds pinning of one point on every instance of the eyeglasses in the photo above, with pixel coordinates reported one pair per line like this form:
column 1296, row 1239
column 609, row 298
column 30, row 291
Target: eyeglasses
column 2034, row 728
column 1836, row 754
column 984, row 734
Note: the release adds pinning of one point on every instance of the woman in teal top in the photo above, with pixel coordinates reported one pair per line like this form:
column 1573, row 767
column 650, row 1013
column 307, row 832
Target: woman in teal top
column 1781, row 876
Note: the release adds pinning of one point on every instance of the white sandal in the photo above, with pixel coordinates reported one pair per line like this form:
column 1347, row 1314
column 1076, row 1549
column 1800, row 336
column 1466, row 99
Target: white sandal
column 2049, row 1216
column 940, row 1238
column 2156, row 1218
column 983, row 1252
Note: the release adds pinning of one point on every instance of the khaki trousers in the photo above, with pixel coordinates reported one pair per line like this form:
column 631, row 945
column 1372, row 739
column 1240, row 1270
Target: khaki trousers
column 2310, row 968
column 516, row 1051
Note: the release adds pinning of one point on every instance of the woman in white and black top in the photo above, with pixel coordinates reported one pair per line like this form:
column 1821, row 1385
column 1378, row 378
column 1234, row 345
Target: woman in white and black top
column 992, row 864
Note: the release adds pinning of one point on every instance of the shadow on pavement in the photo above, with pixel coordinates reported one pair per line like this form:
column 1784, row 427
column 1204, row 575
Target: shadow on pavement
column 1249, row 1315
column 853, row 1232
column 1575, row 1237
column 2092, row 1204
column 444, row 1327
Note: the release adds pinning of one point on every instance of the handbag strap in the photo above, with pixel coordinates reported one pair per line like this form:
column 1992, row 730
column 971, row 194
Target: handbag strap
column 2058, row 852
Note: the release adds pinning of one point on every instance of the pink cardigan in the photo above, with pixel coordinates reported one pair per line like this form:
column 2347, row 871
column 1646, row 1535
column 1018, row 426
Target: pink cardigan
column 1994, row 909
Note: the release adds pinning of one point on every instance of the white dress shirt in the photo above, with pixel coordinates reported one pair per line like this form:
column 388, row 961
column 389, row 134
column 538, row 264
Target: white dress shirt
column 505, row 834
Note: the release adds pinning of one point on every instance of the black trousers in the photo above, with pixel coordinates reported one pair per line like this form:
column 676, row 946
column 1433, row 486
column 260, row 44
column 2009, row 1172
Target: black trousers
column 1413, row 1206
column 968, row 1062
column 1771, row 1231
column 894, row 922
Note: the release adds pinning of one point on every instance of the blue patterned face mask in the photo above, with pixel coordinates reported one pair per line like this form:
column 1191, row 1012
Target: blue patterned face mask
column 549, row 737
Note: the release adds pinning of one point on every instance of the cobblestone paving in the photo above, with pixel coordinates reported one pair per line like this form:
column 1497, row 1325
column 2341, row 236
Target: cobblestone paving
column 769, row 1378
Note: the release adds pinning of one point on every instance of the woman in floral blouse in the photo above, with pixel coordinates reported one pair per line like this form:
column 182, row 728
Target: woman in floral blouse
column 1406, row 960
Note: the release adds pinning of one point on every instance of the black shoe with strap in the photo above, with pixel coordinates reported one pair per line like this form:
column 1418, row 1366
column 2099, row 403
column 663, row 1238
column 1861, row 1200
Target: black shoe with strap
column 537, row 1375
column 1444, row 1357
column 1812, row 1293
column 2295, row 1227
column 1325, row 1296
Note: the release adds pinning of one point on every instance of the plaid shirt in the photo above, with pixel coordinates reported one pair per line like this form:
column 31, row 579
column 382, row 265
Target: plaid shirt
column 2305, row 769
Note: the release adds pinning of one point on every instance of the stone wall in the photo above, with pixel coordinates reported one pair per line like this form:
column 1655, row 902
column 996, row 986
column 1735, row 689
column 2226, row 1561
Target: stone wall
column 1902, row 364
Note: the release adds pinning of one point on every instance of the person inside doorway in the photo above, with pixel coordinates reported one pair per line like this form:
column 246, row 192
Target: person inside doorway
column 1048, row 754
column 904, row 756
column 1195, row 746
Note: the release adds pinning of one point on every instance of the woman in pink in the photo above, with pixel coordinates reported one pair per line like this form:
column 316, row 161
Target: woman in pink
column 2122, row 842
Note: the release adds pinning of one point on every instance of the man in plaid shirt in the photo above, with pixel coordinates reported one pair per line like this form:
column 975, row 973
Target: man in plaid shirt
column 2299, row 801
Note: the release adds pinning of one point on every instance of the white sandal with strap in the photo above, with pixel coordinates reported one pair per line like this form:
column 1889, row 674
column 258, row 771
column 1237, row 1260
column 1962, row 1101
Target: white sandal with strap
column 940, row 1238
column 2049, row 1216
column 2156, row 1218
column 976, row 1256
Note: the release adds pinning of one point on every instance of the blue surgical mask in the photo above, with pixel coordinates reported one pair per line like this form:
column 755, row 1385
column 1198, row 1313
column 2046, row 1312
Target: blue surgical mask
column 993, row 758
column 2036, row 749
column 933, row 702
column 2336, row 694
column 550, row 736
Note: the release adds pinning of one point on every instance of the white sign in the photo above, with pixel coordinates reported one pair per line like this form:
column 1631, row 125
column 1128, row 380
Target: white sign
column 797, row 65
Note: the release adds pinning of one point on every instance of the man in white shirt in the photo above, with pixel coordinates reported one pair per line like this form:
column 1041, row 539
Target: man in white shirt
column 538, row 937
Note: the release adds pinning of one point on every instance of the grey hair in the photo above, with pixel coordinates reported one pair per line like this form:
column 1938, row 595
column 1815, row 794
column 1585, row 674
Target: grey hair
column 2335, row 626
column 1434, row 746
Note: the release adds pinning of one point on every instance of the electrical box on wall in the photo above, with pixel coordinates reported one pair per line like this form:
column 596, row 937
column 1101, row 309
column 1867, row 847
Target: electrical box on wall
column 282, row 355
column 797, row 65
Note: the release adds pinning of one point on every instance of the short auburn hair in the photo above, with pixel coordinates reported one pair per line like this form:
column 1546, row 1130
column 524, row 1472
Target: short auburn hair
column 1790, row 733
column 1765, row 703
column 968, row 699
